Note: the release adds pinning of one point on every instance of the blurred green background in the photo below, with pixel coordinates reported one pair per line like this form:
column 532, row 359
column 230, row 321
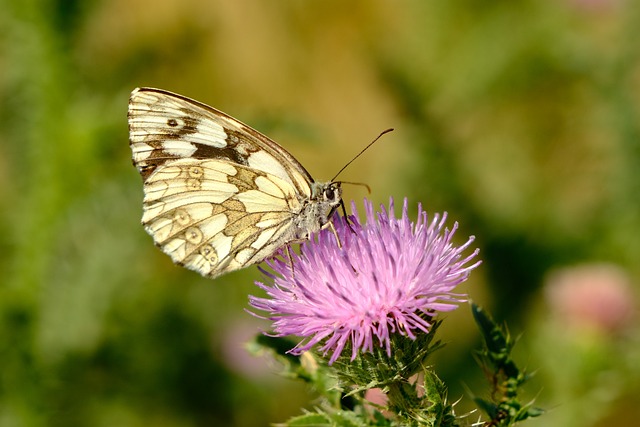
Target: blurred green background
column 519, row 118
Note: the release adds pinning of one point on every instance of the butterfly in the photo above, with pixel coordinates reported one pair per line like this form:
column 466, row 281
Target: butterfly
column 219, row 195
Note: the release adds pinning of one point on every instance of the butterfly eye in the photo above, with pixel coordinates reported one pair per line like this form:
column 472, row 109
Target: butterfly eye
column 330, row 193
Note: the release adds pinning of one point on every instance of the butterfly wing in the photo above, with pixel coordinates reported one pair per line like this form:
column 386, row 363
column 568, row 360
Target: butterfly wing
column 218, row 195
column 165, row 126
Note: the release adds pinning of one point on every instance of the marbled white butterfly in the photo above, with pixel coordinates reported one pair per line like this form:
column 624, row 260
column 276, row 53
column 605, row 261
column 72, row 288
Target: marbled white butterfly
column 219, row 195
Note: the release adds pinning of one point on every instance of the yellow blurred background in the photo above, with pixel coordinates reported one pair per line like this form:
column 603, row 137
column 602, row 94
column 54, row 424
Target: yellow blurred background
column 519, row 118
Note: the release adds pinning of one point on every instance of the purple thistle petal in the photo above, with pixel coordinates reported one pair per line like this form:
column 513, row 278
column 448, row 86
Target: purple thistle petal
column 386, row 278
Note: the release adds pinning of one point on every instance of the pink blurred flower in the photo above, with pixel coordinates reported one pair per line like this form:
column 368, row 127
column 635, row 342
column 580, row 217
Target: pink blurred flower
column 376, row 396
column 597, row 296
column 378, row 400
column 236, row 357
column 390, row 277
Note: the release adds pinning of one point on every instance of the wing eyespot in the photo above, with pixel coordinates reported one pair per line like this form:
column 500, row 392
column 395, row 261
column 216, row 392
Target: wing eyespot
column 182, row 217
column 196, row 172
column 193, row 235
column 193, row 184
column 209, row 254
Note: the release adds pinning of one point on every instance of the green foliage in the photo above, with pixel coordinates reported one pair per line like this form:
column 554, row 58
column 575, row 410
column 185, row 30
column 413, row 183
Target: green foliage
column 504, row 409
column 342, row 386
column 376, row 369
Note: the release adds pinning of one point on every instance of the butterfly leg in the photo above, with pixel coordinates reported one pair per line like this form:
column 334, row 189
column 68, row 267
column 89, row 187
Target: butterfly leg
column 346, row 218
column 288, row 251
column 335, row 233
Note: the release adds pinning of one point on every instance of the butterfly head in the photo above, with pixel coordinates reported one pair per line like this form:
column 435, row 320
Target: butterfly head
column 327, row 196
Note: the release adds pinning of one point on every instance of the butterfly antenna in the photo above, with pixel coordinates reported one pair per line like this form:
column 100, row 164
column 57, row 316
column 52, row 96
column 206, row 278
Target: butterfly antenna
column 360, row 153
column 361, row 184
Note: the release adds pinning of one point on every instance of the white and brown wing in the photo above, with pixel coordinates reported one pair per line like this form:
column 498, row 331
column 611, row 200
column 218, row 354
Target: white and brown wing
column 215, row 217
column 218, row 195
column 165, row 126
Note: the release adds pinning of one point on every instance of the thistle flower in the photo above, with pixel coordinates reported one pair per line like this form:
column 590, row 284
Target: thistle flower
column 597, row 297
column 390, row 277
